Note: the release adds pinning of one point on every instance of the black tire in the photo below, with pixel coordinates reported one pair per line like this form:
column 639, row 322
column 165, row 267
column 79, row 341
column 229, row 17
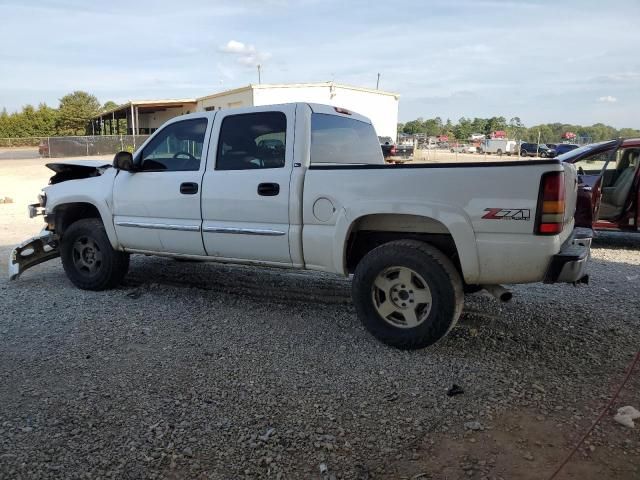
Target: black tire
column 438, row 272
column 88, row 258
column 499, row 152
column 523, row 153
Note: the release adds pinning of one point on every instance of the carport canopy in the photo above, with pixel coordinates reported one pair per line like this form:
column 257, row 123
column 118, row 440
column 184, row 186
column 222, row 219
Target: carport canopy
column 109, row 122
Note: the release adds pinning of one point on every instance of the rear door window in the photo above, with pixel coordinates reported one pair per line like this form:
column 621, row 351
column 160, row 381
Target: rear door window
column 252, row 140
column 336, row 139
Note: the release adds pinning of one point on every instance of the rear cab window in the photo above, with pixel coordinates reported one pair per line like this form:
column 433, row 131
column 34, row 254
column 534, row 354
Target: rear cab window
column 342, row 140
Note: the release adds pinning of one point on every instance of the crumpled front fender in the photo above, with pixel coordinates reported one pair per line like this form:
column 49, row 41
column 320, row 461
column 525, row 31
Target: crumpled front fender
column 36, row 250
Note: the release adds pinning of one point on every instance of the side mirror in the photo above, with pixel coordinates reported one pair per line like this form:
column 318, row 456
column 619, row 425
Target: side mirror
column 123, row 161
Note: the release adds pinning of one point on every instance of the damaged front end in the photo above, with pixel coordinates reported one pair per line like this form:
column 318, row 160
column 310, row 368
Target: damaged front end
column 45, row 245
column 41, row 248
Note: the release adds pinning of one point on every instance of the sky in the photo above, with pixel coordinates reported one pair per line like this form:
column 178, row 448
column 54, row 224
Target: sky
column 544, row 61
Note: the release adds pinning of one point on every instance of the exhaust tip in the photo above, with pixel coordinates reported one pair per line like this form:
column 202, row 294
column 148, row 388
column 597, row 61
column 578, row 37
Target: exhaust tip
column 506, row 296
column 499, row 292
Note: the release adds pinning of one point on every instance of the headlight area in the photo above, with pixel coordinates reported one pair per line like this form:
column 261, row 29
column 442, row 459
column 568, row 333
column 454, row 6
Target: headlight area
column 36, row 209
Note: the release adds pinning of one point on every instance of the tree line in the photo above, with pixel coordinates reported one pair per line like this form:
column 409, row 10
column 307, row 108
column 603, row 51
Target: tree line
column 76, row 109
column 547, row 132
column 70, row 118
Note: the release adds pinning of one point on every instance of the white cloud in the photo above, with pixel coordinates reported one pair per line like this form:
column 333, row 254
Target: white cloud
column 246, row 54
column 607, row 99
column 237, row 48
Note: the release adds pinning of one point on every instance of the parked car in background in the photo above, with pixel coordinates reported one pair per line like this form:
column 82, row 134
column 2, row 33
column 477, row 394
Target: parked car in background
column 395, row 153
column 499, row 146
column 536, row 150
column 463, row 148
column 562, row 148
column 608, row 184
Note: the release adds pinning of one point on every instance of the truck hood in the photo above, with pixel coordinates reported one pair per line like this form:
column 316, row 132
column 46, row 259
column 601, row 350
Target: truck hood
column 76, row 169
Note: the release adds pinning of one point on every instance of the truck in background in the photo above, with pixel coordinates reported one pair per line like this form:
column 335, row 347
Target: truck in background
column 499, row 146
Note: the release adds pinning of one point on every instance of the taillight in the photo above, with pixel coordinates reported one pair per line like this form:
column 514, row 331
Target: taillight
column 393, row 150
column 550, row 216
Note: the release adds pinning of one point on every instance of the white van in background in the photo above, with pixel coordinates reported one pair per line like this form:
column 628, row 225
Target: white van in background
column 499, row 146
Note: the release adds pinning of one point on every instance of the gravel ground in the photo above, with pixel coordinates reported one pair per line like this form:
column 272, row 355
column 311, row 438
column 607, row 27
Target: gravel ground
column 195, row 370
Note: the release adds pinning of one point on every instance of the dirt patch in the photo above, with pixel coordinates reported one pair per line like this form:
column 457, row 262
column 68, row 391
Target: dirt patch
column 528, row 445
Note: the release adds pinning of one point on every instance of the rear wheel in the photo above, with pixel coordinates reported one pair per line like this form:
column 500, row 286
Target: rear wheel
column 407, row 294
column 499, row 152
column 88, row 258
column 523, row 153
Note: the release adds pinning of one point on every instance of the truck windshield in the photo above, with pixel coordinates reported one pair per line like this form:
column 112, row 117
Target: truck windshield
column 336, row 139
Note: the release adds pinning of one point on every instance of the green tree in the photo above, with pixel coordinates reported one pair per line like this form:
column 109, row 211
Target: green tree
column 414, row 126
column 494, row 124
column 75, row 111
column 109, row 105
column 463, row 129
column 629, row 133
column 516, row 129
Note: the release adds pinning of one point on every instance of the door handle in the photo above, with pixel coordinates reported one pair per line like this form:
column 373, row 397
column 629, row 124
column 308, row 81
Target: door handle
column 268, row 189
column 189, row 188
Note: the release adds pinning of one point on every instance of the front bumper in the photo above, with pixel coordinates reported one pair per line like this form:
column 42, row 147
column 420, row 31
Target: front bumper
column 34, row 251
column 570, row 264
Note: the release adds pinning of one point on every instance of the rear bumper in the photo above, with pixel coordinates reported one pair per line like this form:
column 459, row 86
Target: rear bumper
column 570, row 264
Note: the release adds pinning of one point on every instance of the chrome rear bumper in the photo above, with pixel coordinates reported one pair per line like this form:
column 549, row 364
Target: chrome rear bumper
column 570, row 264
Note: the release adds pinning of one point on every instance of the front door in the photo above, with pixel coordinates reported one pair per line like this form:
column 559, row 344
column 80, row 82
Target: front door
column 157, row 207
column 245, row 189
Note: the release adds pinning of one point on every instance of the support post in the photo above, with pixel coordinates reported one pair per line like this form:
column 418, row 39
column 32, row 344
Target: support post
column 133, row 126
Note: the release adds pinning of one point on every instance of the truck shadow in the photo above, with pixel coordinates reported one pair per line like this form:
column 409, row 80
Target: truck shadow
column 617, row 240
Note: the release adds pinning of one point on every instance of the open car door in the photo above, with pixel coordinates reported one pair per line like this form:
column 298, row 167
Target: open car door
column 591, row 162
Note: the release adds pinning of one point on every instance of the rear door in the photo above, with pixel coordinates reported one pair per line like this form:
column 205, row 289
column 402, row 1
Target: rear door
column 245, row 189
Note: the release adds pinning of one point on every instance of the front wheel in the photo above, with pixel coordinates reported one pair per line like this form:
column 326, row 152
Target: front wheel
column 88, row 258
column 407, row 294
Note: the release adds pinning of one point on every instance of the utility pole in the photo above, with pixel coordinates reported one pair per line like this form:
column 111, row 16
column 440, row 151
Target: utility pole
column 378, row 82
column 259, row 76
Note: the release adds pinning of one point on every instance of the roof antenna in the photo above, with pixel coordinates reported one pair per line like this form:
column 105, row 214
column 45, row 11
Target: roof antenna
column 378, row 82
column 259, row 76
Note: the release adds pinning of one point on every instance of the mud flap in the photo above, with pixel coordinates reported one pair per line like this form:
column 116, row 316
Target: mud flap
column 32, row 252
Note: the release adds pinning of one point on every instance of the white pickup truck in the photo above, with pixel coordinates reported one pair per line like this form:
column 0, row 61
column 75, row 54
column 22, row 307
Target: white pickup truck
column 304, row 186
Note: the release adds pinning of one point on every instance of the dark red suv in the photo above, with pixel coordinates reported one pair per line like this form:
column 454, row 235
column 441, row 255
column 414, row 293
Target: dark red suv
column 608, row 184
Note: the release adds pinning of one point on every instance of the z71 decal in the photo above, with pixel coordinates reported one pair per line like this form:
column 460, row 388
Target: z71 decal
column 507, row 214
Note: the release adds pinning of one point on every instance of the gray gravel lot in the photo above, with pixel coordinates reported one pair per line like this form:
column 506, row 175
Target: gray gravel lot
column 196, row 370
column 227, row 371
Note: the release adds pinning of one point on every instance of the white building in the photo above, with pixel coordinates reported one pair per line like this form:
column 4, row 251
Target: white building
column 144, row 117
column 379, row 106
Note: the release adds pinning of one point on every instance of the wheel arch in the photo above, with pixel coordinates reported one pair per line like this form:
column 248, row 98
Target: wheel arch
column 441, row 226
column 68, row 212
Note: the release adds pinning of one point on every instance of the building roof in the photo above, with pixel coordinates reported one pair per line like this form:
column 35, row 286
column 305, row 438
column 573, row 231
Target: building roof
column 148, row 106
column 266, row 86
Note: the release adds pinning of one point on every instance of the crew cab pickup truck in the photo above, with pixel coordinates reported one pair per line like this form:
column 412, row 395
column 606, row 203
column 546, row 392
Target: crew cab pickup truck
column 213, row 186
